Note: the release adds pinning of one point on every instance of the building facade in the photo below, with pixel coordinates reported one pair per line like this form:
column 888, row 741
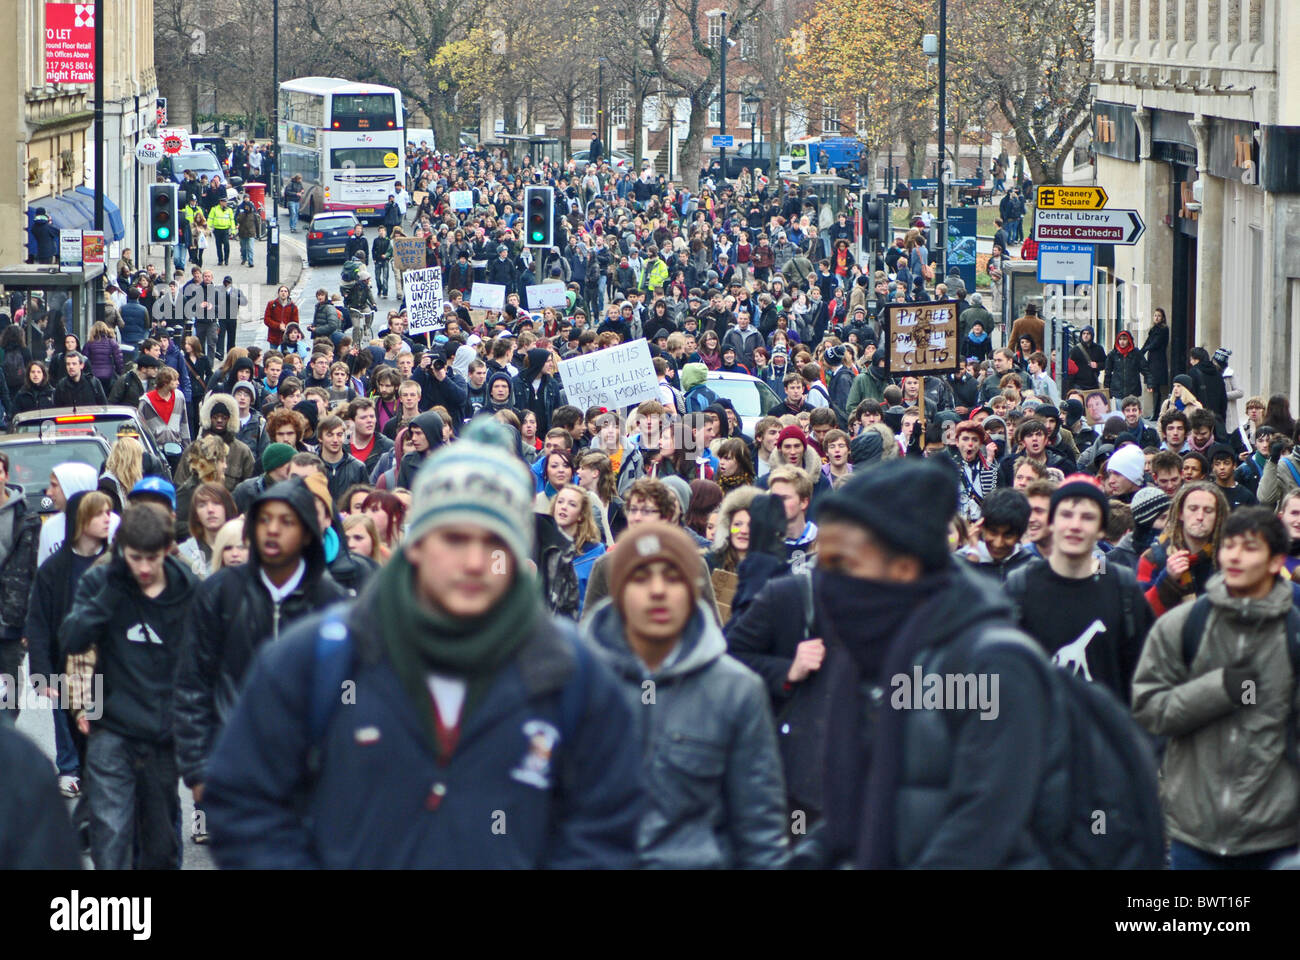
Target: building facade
column 50, row 127
column 1197, row 126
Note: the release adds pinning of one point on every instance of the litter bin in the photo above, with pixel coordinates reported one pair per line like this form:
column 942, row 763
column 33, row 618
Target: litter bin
column 257, row 193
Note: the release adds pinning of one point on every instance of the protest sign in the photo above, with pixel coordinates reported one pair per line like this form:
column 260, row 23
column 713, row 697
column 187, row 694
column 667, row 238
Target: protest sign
column 408, row 253
column 616, row 377
column 488, row 296
column 547, row 295
column 424, row 300
column 461, row 199
column 922, row 338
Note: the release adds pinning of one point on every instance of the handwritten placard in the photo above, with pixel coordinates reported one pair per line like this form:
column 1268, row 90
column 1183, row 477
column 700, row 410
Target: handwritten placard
column 547, row 295
column 488, row 296
column 408, row 253
column 922, row 338
column 423, row 290
column 615, row 378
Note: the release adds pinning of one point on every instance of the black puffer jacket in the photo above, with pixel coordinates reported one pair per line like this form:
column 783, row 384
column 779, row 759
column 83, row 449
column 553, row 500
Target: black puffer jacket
column 946, row 788
column 716, row 792
column 233, row 615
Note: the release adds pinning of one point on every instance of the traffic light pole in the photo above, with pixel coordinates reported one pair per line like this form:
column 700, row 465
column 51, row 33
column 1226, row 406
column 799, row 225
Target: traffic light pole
column 98, row 308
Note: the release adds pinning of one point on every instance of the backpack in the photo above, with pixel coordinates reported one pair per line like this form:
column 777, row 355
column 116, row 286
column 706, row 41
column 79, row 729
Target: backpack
column 15, row 369
column 350, row 271
column 333, row 663
column 1194, row 629
column 699, row 398
column 1111, row 771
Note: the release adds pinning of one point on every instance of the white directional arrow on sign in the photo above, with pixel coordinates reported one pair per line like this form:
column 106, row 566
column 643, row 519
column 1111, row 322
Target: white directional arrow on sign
column 1119, row 227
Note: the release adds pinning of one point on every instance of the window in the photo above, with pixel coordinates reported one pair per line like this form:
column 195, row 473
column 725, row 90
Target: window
column 749, row 41
column 584, row 114
column 364, row 158
column 830, row 121
column 860, row 117
column 715, row 109
column 715, row 29
column 748, row 111
column 649, row 15
column 618, row 105
column 363, row 111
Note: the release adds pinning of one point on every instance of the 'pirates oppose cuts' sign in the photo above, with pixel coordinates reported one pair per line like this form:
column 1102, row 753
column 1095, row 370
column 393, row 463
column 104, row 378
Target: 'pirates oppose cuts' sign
column 922, row 338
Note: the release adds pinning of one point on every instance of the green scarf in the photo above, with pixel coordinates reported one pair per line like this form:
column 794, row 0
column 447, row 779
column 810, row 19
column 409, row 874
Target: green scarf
column 421, row 641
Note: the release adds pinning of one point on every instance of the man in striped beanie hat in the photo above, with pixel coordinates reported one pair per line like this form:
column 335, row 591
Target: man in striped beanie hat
column 465, row 697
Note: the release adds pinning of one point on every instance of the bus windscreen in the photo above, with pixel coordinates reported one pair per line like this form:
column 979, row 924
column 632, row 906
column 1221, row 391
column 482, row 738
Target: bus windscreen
column 362, row 158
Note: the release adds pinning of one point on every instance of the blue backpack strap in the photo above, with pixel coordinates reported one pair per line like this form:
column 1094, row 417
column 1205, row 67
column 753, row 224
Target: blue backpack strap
column 331, row 664
column 1295, row 474
column 574, row 696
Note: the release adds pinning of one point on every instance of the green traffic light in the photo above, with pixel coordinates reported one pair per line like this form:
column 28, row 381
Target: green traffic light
column 163, row 233
column 537, row 236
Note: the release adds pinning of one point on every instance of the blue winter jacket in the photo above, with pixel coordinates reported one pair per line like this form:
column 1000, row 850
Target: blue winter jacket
column 380, row 798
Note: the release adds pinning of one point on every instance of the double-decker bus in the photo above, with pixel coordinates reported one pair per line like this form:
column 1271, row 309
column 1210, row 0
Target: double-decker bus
column 346, row 139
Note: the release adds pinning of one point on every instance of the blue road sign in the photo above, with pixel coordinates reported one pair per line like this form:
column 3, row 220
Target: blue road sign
column 723, row 140
column 1065, row 262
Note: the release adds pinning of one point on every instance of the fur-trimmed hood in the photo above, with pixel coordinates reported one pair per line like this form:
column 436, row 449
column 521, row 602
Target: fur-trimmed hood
column 812, row 461
column 231, row 405
column 735, row 501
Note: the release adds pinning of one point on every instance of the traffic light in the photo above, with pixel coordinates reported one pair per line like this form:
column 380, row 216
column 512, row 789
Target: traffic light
column 539, row 208
column 163, row 213
column 876, row 222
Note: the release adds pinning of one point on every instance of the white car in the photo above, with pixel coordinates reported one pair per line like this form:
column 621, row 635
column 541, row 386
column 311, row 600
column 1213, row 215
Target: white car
column 617, row 159
column 752, row 398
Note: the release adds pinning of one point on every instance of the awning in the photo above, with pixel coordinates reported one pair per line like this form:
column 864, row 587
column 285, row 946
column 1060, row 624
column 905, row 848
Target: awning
column 75, row 210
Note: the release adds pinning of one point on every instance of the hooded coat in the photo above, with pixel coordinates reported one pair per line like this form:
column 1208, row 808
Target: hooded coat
column 545, row 397
column 710, row 761
column 1124, row 369
column 1084, row 354
column 1228, row 786
column 261, row 817
column 240, row 462
column 431, row 424
column 231, row 617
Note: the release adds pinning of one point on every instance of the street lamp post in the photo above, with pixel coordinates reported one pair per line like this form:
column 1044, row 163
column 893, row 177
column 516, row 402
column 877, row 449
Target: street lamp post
column 273, row 176
column 722, row 112
column 941, row 241
column 600, row 103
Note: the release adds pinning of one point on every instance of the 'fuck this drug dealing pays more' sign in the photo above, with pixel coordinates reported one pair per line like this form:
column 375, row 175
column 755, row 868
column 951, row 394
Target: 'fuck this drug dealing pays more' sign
column 614, row 378
column 922, row 338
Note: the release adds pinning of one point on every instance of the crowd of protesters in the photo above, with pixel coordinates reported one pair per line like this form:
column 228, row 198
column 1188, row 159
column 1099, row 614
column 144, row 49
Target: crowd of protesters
column 550, row 636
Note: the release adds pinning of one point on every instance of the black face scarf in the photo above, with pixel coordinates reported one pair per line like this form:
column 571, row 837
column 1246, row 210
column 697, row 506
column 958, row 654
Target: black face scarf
column 865, row 615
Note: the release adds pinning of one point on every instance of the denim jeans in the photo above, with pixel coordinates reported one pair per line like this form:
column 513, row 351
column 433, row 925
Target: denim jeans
column 293, row 216
column 1185, row 857
column 381, row 277
column 179, row 253
column 66, row 757
column 246, row 250
column 132, row 790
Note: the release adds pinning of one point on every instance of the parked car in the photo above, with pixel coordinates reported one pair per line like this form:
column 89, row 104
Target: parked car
column 755, row 156
column 752, row 398
column 200, row 161
column 328, row 235
column 32, row 457
column 617, row 159
column 216, row 145
column 108, row 422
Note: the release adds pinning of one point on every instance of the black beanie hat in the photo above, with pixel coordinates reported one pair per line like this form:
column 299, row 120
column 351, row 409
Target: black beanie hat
column 309, row 410
column 905, row 503
column 1076, row 487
